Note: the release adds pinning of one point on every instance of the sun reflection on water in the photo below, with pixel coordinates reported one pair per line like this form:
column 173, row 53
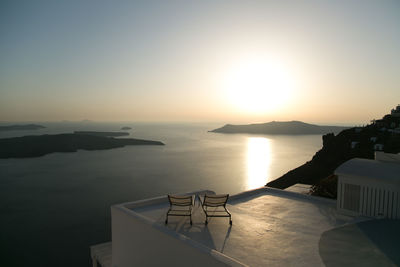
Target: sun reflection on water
column 258, row 161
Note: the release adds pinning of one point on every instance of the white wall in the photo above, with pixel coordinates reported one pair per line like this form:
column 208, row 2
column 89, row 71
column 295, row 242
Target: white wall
column 387, row 157
column 137, row 242
column 374, row 199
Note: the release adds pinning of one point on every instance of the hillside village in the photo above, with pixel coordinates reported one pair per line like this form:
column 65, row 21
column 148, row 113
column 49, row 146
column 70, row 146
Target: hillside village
column 358, row 142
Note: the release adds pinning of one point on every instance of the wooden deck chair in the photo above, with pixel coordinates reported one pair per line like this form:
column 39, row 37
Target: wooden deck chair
column 217, row 204
column 180, row 206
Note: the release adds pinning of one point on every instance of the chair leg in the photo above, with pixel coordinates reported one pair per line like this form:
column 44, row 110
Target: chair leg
column 166, row 220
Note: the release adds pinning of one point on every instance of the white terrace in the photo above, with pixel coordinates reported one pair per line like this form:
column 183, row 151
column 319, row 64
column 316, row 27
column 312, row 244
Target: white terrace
column 270, row 228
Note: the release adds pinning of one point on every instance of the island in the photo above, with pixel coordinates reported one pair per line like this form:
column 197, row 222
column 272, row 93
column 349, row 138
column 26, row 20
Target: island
column 279, row 127
column 357, row 142
column 126, row 128
column 23, row 127
column 40, row 145
column 104, row 134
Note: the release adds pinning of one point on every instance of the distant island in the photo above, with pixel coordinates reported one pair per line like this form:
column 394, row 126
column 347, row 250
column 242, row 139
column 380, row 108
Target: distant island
column 279, row 127
column 126, row 128
column 105, row 134
column 23, row 127
column 357, row 142
column 40, row 145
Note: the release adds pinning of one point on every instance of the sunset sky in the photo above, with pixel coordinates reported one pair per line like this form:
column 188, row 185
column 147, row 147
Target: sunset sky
column 199, row 61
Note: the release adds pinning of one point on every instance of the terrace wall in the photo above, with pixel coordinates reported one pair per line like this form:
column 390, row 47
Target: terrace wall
column 137, row 241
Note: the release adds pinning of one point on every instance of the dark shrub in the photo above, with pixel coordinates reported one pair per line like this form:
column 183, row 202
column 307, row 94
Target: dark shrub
column 327, row 187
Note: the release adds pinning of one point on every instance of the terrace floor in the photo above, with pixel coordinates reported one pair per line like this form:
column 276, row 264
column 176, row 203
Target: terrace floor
column 273, row 229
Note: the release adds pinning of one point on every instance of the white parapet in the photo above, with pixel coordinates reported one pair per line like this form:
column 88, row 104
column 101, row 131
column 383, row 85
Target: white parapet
column 387, row 157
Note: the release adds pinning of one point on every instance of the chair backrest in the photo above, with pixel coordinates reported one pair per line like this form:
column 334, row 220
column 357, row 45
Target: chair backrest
column 215, row 200
column 180, row 200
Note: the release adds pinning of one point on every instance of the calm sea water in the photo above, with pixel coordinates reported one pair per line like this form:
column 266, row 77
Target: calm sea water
column 54, row 207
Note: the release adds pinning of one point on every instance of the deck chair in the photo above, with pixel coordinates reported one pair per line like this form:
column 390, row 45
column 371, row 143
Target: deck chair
column 215, row 206
column 180, row 206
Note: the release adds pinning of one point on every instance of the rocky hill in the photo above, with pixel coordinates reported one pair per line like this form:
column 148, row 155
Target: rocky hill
column 279, row 127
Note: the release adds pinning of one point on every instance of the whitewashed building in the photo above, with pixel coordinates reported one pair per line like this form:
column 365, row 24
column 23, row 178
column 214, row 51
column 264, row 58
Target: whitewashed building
column 370, row 187
column 378, row 147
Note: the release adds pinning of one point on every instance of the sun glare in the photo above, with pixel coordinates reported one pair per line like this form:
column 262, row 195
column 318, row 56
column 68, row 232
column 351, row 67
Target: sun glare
column 258, row 86
column 258, row 161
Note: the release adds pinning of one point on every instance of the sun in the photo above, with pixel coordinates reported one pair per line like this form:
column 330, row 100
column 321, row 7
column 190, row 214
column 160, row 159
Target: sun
column 258, row 86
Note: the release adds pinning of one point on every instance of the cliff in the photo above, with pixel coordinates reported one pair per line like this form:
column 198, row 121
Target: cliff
column 358, row 142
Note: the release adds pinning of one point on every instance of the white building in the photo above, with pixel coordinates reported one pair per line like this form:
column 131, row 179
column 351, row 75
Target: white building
column 370, row 187
column 378, row 147
column 354, row 144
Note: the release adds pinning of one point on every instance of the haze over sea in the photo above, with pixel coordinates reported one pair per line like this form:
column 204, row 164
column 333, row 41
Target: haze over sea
column 59, row 204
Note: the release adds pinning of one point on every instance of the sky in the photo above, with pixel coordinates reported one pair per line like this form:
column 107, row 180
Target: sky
column 328, row 62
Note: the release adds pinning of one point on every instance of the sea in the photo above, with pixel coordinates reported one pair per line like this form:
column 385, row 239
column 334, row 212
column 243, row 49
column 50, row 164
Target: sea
column 55, row 206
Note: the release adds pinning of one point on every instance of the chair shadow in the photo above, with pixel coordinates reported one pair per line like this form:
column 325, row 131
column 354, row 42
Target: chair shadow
column 210, row 235
column 226, row 238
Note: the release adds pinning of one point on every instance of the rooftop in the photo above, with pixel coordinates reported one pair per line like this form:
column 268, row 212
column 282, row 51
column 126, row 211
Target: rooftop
column 371, row 170
column 278, row 228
